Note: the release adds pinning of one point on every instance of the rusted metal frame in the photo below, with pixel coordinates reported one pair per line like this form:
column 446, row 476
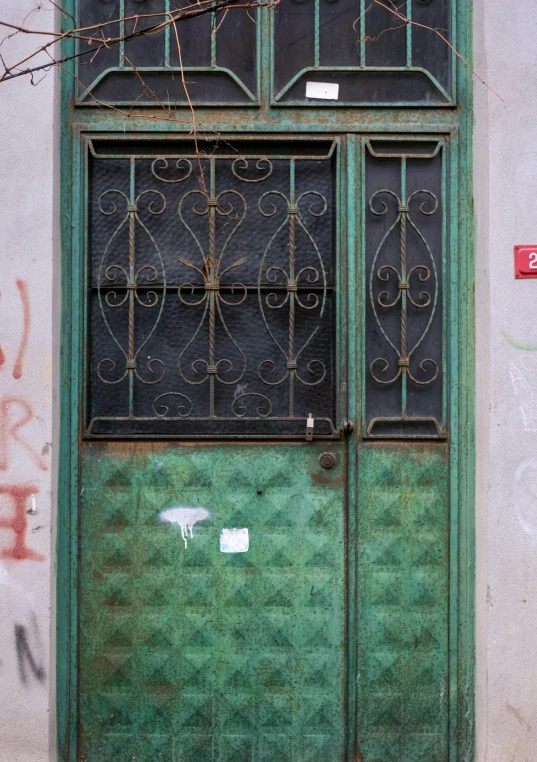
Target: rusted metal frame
column 458, row 723
column 253, row 100
column 353, row 336
column 243, row 139
column 313, row 122
column 346, row 104
column 246, row 436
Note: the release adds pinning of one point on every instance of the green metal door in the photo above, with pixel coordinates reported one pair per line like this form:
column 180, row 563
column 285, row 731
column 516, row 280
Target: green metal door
column 265, row 549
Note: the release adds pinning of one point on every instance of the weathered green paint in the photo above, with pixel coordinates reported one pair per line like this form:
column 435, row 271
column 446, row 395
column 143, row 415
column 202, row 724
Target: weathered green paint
column 214, row 655
column 374, row 727
column 403, row 594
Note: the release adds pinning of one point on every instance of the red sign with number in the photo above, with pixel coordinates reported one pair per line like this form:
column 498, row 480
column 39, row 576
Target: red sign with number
column 526, row 261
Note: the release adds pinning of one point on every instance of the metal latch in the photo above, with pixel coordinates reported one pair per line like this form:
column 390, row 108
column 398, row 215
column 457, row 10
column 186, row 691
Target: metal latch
column 309, row 428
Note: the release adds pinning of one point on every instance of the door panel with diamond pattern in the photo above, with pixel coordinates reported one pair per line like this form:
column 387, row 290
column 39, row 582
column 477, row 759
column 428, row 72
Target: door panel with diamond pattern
column 191, row 654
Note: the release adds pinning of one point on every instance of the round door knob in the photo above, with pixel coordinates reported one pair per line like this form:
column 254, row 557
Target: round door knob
column 328, row 460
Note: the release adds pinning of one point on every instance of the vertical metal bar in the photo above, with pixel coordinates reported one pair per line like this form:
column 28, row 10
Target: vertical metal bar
column 361, row 349
column 262, row 42
column 121, row 34
column 213, row 39
column 350, row 327
column 292, row 213
column 211, row 282
column 404, row 328
column 267, row 55
column 167, row 62
column 131, row 282
column 444, row 300
column 409, row 34
column 362, row 32
column 317, row 12
column 340, row 279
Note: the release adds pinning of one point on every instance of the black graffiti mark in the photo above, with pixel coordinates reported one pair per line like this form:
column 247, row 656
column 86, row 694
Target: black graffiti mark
column 25, row 656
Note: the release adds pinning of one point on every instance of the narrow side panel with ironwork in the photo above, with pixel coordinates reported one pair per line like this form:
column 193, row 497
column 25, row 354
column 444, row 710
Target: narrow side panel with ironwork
column 405, row 251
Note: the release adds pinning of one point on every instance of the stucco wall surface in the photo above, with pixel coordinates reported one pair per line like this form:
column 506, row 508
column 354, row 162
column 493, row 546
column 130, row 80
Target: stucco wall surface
column 26, row 252
column 505, row 192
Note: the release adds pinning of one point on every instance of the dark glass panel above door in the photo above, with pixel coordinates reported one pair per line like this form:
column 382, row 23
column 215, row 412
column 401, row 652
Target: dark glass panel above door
column 364, row 52
column 147, row 69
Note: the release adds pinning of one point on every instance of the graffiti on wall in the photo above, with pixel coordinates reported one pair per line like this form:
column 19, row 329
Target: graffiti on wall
column 523, row 377
column 21, row 462
column 17, row 499
column 27, row 663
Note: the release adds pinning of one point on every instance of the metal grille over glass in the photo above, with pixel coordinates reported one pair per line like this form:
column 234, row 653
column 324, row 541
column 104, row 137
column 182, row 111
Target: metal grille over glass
column 212, row 291
column 146, row 69
column 404, row 244
column 377, row 53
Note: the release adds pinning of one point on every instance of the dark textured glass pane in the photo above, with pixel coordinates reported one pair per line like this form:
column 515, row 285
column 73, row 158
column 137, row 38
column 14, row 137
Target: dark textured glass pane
column 369, row 87
column 191, row 40
column 146, row 69
column 90, row 66
column 330, row 40
column 386, row 36
column 404, row 289
column 433, row 23
column 216, row 309
column 294, row 39
column 342, row 49
column 202, row 86
column 236, row 45
column 146, row 50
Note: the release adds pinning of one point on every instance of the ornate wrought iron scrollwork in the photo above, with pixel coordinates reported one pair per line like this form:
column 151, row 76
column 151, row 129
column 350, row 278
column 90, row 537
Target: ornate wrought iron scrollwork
column 211, row 375
column 135, row 281
column 297, row 293
column 404, row 291
column 212, row 368
column 400, row 284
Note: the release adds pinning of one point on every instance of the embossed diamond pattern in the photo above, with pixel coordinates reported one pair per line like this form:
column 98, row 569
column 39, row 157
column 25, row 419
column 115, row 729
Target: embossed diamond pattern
column 403, row 579
column 191, row 654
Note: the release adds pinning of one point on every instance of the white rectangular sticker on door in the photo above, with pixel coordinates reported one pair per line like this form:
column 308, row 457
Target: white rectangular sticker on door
column 234, row 540
column 326, row 91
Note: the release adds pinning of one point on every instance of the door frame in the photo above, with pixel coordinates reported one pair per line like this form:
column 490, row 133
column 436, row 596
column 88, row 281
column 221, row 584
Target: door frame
column 456, row 125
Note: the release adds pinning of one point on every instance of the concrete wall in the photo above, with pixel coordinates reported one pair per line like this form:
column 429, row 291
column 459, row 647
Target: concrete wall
column 27, row 238
column 505, row 194
column 506, row 213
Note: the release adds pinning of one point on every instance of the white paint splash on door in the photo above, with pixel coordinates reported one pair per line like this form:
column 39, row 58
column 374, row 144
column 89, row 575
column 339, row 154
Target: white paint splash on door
column 185, row 517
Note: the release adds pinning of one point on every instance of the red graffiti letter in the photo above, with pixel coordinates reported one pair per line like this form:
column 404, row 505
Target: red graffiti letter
column 18, row 523
column 8, row 429
column 25, row 299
